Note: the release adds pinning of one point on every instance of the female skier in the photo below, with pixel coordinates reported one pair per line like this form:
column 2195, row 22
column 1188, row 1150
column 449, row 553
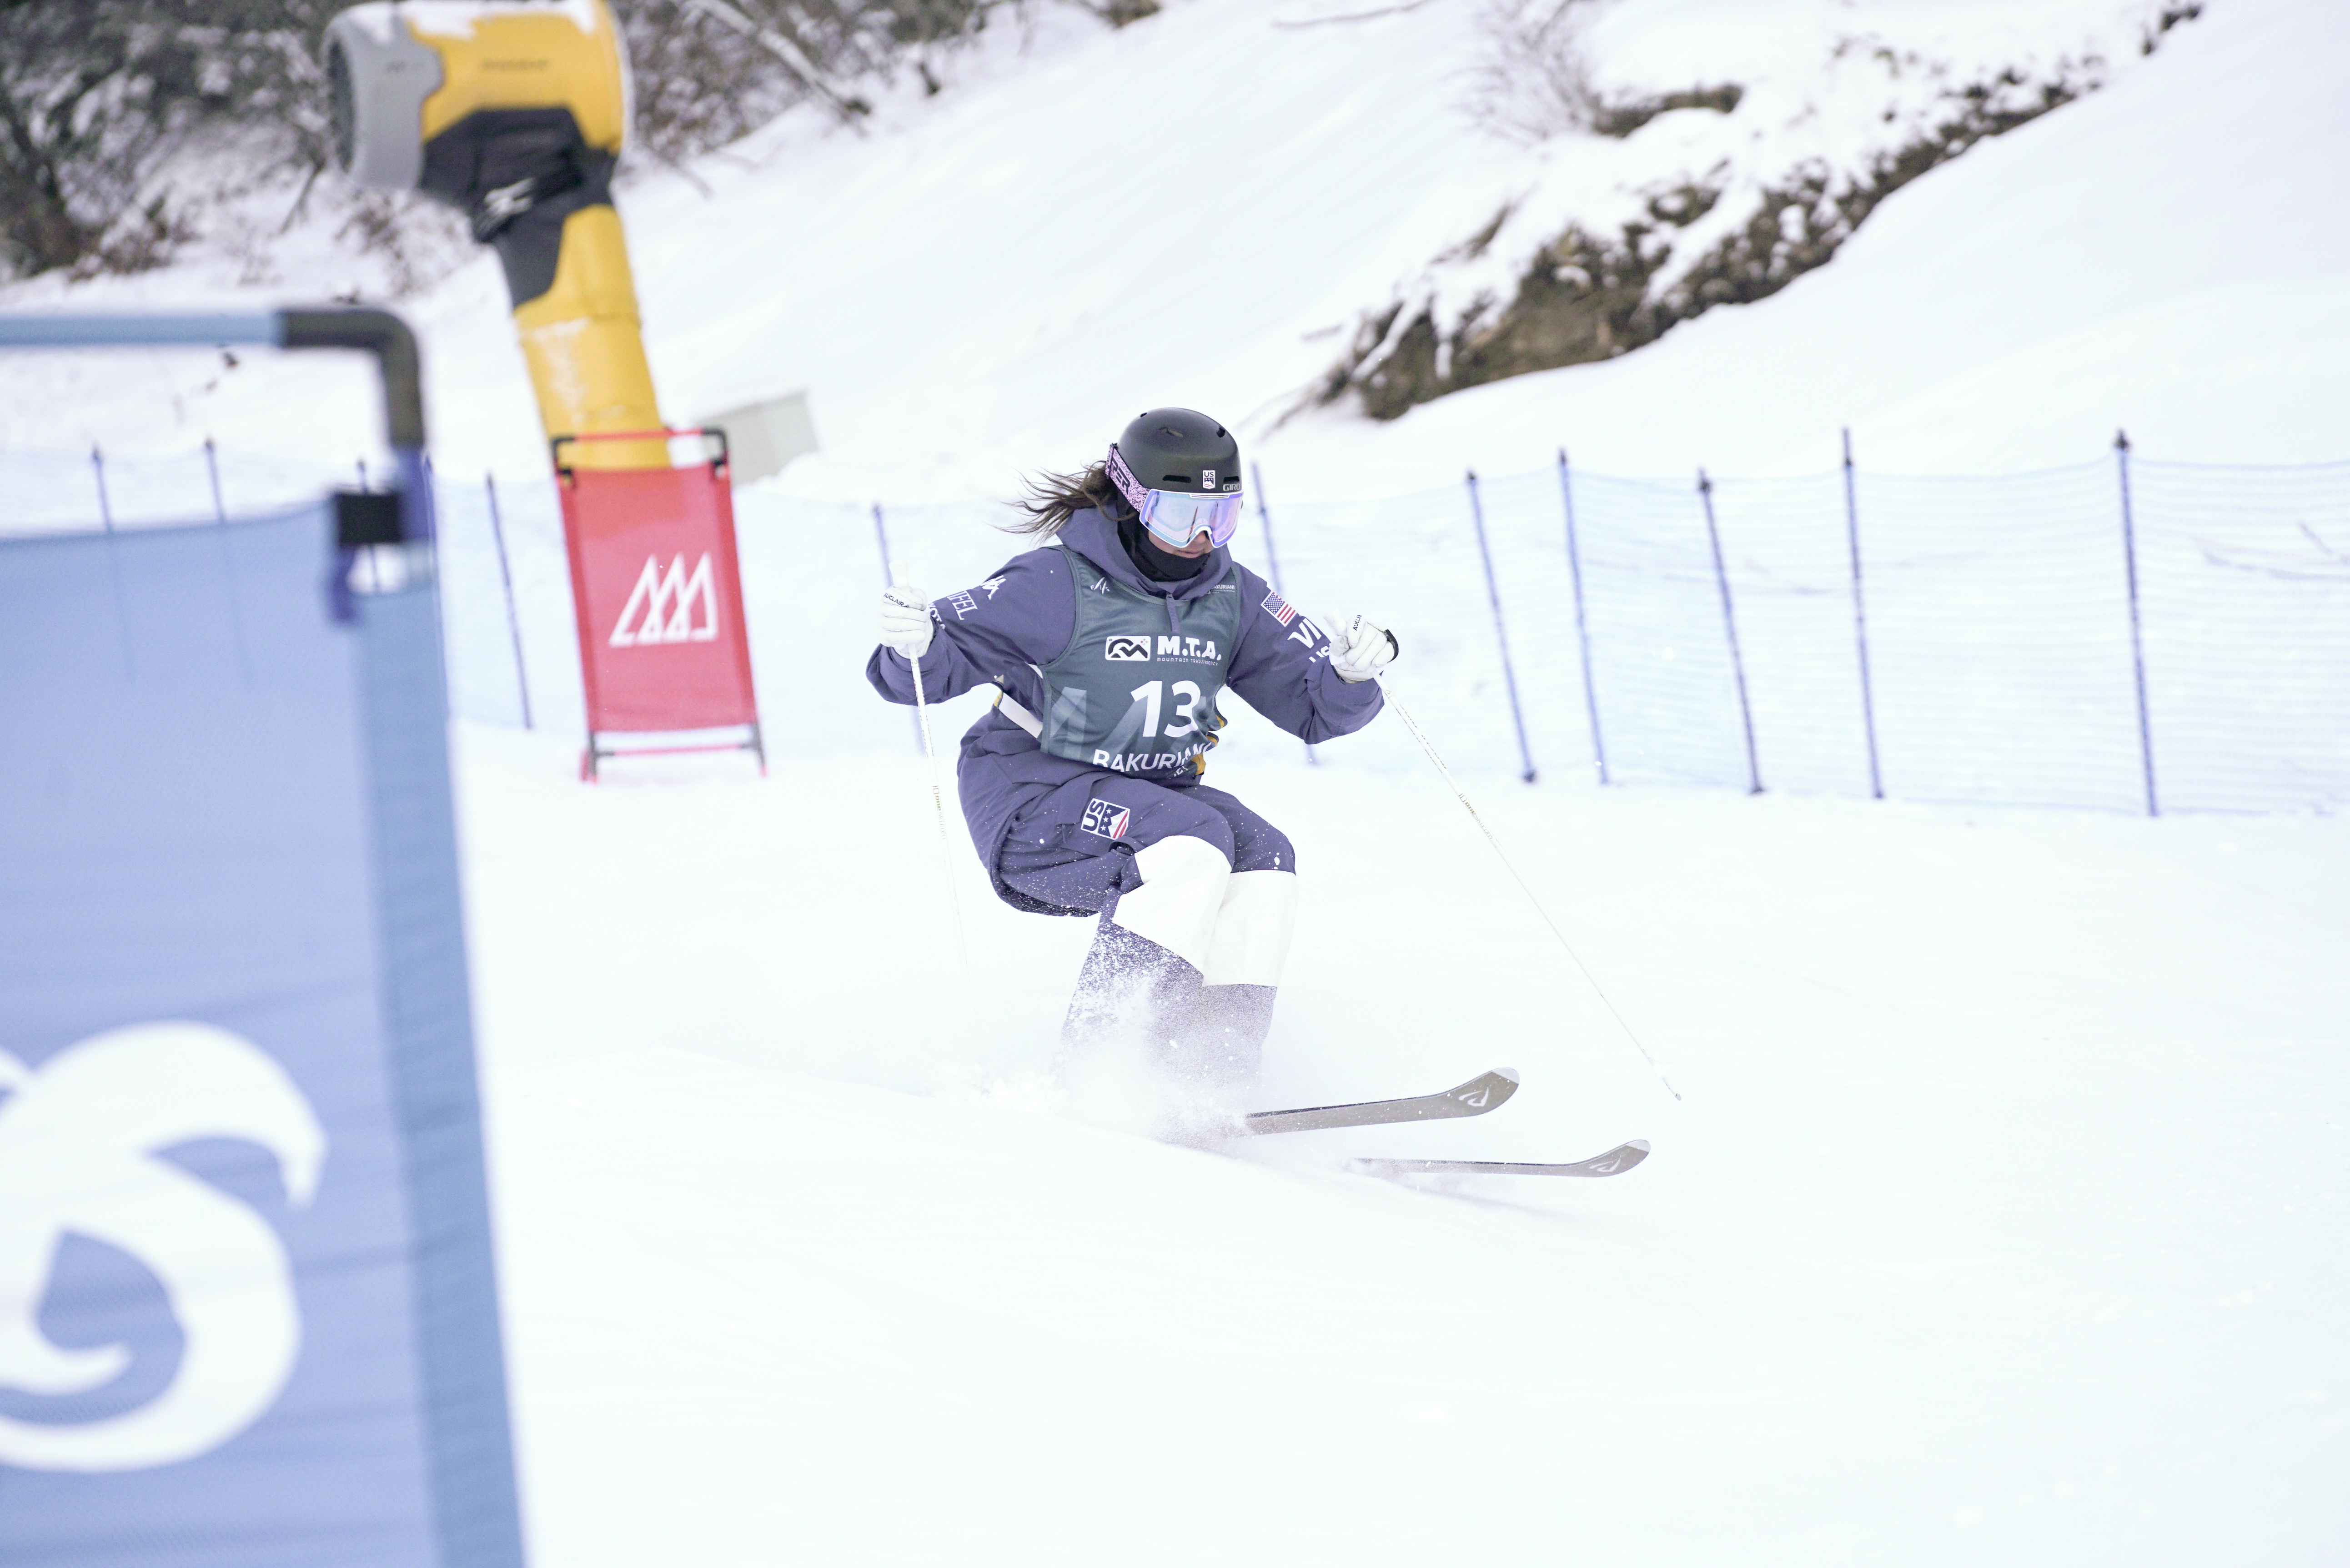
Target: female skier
column 1081, row 786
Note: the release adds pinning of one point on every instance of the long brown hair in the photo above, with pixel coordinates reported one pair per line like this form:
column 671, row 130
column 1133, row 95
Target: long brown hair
column 1053, row 498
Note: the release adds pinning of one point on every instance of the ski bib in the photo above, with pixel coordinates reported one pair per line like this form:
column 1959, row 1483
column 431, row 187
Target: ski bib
column 1136, row 690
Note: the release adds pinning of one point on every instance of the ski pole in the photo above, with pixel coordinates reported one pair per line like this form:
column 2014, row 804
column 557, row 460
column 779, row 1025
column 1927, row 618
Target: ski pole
column 1581, row 967
column 938, row 801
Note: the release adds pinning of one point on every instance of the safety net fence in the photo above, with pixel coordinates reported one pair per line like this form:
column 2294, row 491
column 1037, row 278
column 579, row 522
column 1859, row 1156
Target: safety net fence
column 2125, row 633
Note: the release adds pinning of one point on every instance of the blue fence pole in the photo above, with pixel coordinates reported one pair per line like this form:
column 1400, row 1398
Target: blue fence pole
column 889, row 576
column 1582, row 634
column 1730, row 626
column 228, row 561
column 2138, row 641
column 212, row 470
column 1273, row 560
column 97, row 467
column 1501, row 634
column 505, row 575
column 1860, row 620
column 113, row 568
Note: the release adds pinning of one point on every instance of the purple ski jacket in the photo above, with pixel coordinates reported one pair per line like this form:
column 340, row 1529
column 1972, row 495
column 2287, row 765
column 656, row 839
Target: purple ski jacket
column 999, row 632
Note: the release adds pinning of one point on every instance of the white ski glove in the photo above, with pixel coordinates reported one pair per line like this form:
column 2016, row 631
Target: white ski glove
column 906, row 624
column 1361, row 649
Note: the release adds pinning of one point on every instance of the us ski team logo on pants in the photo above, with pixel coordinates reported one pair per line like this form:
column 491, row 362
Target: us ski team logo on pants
column 1105, row 819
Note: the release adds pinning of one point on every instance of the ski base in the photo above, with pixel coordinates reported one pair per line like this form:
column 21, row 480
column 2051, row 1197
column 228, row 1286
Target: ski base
column 1484, row 1093
column 1614, row 1162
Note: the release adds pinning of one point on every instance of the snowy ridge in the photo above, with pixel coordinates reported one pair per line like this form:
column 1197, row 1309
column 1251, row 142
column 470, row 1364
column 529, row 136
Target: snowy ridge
column 960, row 305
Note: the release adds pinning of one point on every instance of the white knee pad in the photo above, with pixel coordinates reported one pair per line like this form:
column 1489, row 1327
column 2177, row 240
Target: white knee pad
column 1182, row 889
column 1253, row 928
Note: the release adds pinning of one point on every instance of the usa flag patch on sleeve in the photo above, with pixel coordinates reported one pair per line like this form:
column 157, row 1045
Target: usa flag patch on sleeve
column 1105, row 819
column 1279, row 608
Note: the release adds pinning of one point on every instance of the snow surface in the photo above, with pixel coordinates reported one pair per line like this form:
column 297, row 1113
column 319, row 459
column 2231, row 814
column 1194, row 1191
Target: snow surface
column 2003, row 1220
column 962, row 297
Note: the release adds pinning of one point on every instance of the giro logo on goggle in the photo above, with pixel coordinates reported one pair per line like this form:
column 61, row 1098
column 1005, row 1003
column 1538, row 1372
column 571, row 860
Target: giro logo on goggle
column 1126, row 650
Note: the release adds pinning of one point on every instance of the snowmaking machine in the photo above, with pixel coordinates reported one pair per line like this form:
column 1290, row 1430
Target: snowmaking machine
column 514, row 112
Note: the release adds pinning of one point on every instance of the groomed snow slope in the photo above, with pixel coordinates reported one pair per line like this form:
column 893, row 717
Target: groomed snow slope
column 963, row 294
column 2002, row 1221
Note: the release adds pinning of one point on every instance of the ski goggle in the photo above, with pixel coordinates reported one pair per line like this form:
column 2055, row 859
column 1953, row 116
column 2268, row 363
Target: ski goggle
column 1176, row 517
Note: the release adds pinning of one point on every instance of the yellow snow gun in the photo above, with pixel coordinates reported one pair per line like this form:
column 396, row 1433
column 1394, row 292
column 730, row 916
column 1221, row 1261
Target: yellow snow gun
column 514, row 114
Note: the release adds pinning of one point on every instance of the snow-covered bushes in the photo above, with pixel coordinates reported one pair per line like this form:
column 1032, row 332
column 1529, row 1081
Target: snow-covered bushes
column 132, row 130
column 97, row 98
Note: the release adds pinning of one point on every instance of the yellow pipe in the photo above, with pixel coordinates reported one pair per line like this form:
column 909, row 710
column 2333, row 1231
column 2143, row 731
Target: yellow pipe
column 586, row 349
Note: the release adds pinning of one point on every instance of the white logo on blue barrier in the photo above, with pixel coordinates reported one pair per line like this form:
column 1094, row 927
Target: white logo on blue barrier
column 79, row 1139
column 661, row 607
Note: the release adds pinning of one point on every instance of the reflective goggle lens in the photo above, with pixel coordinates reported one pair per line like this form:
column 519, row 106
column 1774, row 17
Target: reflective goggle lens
column 1177, row 517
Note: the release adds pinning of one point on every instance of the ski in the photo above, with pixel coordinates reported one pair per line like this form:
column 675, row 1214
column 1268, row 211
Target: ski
column 1614, row 1162
column 1480, row 1093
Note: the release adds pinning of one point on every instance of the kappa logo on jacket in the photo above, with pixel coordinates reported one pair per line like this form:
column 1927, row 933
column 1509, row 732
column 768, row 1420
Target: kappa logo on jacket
column 1105, row 819
column 1122, row 649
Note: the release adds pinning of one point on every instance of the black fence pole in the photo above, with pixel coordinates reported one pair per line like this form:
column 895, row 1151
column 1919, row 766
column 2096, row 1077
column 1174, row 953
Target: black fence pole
column 1582, row 631
column 1273, row 560
column 1860, row 621
column 2138, row 641
column 505, row 575
column 1500, row 636
column 1730, row 626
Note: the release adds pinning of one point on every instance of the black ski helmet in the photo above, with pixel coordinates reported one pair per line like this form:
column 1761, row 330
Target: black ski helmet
column 1180, row 448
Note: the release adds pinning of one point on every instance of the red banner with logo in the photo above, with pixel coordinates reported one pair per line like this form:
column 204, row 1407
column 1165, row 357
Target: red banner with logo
column 664, row 651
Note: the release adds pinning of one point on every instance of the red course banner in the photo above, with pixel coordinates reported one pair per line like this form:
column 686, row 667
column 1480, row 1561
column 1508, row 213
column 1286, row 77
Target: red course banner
column 663, row 653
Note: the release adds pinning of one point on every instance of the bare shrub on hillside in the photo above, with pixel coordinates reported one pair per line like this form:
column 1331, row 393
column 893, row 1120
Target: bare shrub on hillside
column 709, row 71
column 1532, row 79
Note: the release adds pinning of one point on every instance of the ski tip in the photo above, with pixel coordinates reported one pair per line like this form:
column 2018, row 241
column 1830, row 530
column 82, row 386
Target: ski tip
column 1509, row 1073
column 1639, row 1143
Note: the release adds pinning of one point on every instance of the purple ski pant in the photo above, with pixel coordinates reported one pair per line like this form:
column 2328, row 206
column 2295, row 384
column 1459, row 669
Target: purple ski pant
column 1060, row 848
column 1074, row 847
